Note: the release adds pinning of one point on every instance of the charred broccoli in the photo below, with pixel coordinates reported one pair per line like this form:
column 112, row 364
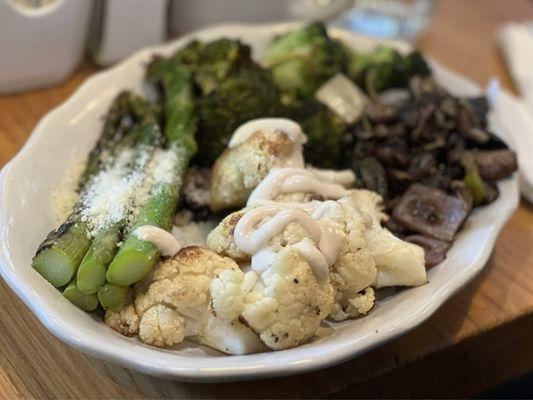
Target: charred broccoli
column 220, row 59
column 230, row 89
column 189, row 55
column 160, row 66
column 244, row 95
column 324, row 132
column 385, row 68
column 302, row 60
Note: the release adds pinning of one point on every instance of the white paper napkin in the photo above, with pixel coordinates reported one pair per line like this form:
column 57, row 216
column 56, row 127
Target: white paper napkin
column 515, row 121
column 516, row 42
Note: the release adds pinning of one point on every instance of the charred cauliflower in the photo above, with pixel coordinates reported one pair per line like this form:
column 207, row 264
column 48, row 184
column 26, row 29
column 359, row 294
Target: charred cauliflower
column 355, row 269
column 399, row 263
column 124, row 320
column 221, row 238
column 370, row 256
column 172, row 303
column 240, row 169
column 284, row 308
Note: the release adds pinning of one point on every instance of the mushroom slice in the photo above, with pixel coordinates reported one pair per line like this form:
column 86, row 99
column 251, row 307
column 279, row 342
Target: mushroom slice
column 430, row 211
column 495, row 164
column 434, row 249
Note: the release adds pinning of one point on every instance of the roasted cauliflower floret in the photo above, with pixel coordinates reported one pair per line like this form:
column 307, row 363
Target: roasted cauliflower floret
column 371, row 203
column 221, row 238
column 284, row 308
column 355, row 269
column 399, row 263
column 362, row 303
column 240, row 169
column 182, row 284
column 230, row 337
column 172, row 302
column 123, row 320
column 162, row 326
column 221, row 241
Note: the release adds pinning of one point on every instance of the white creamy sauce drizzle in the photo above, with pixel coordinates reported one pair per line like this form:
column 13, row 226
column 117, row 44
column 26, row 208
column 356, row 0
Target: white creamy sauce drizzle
column 257, row 227
column 165, row 242
column 291, row 180
column 344, row 177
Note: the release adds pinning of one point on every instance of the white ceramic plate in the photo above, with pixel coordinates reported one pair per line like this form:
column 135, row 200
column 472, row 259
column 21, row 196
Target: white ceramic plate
column 69, row 132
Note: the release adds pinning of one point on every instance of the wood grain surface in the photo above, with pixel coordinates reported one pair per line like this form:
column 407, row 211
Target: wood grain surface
column 479, row 338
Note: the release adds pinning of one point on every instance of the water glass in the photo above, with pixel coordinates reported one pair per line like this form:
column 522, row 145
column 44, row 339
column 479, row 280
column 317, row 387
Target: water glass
column 390, row 19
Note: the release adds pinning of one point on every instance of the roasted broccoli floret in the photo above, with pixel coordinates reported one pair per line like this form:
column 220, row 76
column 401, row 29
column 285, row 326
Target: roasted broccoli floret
column 245, row 95
column 416, row 64
column 160, row 66
column 324, row 132
column 189, row 54
column 385, row 68
column 304, row 59
column 218, row 60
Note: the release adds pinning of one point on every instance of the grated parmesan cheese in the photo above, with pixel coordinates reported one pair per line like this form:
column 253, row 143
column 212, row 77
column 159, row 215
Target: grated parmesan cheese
column 164, row 171
column 160, row 170
column 65, row 197
column 120, row 191
column 105, row 200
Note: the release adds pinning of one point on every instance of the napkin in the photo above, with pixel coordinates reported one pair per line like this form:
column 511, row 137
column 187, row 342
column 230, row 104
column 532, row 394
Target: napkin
column 516, row 114
column 516, row 42
column 513, row 117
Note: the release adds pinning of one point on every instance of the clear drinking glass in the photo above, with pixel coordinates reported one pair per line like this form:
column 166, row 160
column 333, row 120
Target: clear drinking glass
column 391, row 19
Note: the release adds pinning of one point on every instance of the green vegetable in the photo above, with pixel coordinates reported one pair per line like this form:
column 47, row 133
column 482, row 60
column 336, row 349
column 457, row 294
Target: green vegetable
column 324, row 133
column 303, row 60
column 186, row 56
column 472, row 179
column 136, row 258
column 245, row 95
column 385, row 68
column 112, row 296
column 474, row 182
column 58, row 257
column 92, row 270
column 87, row 302
column 126, row 109
column 220, row 59
column 415, row 64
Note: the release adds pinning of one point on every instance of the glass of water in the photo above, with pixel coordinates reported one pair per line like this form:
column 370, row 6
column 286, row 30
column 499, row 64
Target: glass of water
column 390, row 19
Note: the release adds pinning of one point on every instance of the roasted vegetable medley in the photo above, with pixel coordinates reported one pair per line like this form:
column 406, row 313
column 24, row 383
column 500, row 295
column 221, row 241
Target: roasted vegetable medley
column 429, row 154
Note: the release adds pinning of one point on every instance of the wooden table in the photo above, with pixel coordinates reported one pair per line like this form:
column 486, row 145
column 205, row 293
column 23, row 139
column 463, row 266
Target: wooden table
column 478, row 339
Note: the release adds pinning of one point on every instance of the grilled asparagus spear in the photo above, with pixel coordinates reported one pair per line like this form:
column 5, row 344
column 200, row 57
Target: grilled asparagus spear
column 87, row 302
column 92, row 270
column 136, row 257
column 112, row 296
column 59, row 255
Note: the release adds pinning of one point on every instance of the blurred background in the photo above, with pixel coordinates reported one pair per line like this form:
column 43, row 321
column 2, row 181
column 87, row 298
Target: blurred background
column 63, row 31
